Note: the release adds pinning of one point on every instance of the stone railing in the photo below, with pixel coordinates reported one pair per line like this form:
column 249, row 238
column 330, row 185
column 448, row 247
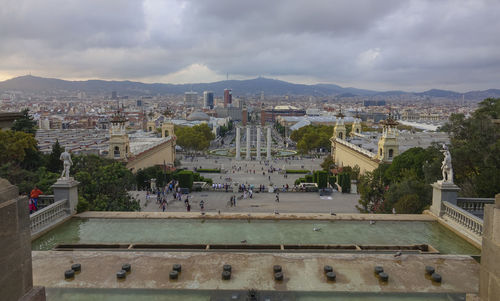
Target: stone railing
column 474, row 205
column 47, row 216
column 45, row 200
column 464, row 218
column 357, row 148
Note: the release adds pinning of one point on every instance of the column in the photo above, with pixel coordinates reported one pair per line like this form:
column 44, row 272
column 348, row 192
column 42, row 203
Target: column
column 248, row 143
column 67, row 190
column 238, row 150
column 443, row 192
column 269, row 143
column 258, row 142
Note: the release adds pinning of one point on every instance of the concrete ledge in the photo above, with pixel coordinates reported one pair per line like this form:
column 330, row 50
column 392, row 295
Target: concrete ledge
column 303, row 272
column 263, row 216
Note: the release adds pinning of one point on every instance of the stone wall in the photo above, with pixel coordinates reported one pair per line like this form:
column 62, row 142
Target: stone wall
column 15, row 249
column 346, row 156
column 158, row 155
column 489, row 283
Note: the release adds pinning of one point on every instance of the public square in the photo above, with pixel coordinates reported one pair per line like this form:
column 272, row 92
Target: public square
column 255, row 173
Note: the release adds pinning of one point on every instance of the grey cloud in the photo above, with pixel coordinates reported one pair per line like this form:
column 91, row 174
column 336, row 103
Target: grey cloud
column 386, row 44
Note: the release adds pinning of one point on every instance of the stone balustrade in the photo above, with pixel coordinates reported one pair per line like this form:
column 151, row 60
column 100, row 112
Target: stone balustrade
column 357, row 148
column 49, row 215
column 474, row 205
column 464, row 218
column 45, row 200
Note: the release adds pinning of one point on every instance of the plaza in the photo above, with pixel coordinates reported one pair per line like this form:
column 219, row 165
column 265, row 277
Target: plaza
column 242, row 172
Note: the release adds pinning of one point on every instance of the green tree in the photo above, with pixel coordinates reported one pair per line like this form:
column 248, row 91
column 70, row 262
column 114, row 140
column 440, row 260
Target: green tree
column 15, row 145
column 327, row 163
column 371, row 187
column 54, row 163
column 25, row 123
column 312, row 137
column 196, row 138
column 475, row 149
column 104, row 184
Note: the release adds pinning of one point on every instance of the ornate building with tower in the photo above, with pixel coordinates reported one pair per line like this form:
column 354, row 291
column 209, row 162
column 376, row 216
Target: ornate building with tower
column 141, row 149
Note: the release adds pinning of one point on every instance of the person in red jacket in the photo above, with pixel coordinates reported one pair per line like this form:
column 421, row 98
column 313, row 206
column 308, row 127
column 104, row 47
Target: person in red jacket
column 35, row 193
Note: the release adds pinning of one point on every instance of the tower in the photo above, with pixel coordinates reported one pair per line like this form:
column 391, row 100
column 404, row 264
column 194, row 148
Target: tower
column 356, row 126
column 167, row 129
column 388, row 146
column 339, row 131
column 228, row 98
column 208, row 100
column 119, row 145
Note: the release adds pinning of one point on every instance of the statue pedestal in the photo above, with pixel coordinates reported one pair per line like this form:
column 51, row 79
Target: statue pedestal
column 443, row 192
column 67, row 189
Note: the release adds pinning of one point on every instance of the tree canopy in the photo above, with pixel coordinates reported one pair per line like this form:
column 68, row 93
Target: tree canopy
column 196, row 138
column 475, row 149
column 25, row 123
column 103, row 184
column 312, row 137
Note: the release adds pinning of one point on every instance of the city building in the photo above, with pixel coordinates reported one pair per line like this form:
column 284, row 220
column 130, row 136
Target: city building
column 208, row 100
column 190, row 98
column 368, row 150
column 228, row 98
column 270, row 115
column 141, row 149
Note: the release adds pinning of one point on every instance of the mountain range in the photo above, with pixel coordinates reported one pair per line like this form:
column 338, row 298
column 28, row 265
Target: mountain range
column 34, row 84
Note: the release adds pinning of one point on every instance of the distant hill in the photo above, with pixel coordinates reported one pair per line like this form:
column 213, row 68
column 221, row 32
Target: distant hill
column 255, row 86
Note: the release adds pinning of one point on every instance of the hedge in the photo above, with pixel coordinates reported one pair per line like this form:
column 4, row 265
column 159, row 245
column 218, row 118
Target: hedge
column 291, row 171
column 210, row 170
column 322, row 177
column 344, row 182
column 309, row 179
column 185, row 179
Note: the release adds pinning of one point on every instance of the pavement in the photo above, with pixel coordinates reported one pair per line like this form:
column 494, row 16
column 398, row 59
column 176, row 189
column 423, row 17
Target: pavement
column 255, row 173
column 291, row 202
column 302, row 271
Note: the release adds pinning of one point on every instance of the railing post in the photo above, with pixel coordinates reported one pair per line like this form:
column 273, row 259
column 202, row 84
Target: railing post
column 67, row 190
column 443, row 192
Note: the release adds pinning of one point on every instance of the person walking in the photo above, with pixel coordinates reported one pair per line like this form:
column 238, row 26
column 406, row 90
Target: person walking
column 202, row 206
column 188, row 207
column 277, row 198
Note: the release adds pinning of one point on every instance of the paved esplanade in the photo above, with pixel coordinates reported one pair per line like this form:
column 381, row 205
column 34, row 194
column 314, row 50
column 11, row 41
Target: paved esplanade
column 257, row 173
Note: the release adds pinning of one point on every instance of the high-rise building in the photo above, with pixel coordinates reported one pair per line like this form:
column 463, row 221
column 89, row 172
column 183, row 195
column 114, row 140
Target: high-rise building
column 114, row 95
column 208, row 99
column 228, row 98
column 190, row 98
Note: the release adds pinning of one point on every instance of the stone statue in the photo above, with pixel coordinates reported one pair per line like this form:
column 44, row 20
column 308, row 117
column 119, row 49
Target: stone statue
column 67, row 162
column 446, row 167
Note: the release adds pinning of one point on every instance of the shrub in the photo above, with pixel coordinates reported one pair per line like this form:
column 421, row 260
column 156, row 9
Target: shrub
column 209, row 170
column 309, row 179
column 322, row 177
column 185, row 179
column 296, row 171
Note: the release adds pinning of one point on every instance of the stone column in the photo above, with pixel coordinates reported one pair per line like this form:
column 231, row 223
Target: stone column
column 258, row 141
column 248, row 143
column 443, row 192
column 489, row 275
column 67, row 190
column 16, row 278
column 238, row 137
column 269, row 143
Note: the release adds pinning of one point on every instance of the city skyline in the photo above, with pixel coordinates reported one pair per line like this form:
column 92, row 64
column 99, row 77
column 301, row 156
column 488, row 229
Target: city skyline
column 403, row 45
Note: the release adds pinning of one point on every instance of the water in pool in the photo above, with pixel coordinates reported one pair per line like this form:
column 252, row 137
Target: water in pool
column 78, row 294
column 96, row 230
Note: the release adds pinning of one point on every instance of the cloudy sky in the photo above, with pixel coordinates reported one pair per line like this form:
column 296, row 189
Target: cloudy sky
column 374, row 44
